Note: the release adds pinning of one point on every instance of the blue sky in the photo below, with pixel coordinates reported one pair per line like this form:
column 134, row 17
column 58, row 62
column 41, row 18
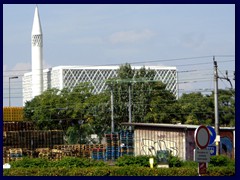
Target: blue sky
column 115, row 34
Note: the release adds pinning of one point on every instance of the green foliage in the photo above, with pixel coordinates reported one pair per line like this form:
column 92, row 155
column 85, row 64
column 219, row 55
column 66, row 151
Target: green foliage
column 190, row 164
column 227, row 107
column 77, row 162
column 127, row 160
column 28, row 163
column 116, row 171
column 221, row 160
column 175, row 161
column 72, row 135
column 221, row 171
column 65, row 162
column 151, row 102
column 90, row 113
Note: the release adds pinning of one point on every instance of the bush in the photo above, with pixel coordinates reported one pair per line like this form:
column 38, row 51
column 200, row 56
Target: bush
column 77, row 162
column 127, row 160
column 190, row 164
column 28, row 162
column 221, row 160
column 65, row 162
column 116, row 171
column 175, row 161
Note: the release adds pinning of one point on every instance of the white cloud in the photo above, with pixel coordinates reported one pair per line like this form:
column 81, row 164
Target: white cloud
column 131, row 36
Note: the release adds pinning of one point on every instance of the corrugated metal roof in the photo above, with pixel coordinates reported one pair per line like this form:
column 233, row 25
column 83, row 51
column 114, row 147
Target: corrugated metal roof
column 181, row 126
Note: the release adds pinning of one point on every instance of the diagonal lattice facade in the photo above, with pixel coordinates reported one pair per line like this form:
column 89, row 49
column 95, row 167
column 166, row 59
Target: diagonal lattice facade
column 69, row 76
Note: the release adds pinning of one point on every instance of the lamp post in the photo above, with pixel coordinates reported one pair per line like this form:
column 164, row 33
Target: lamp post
column 9, row 98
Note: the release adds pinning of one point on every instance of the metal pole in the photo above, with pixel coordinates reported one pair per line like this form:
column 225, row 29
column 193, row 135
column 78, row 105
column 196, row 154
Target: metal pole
column 112, row 120
column 129, row 106
column 9, row 103
column 9, row 97
column 216, row 104
column 13, row 77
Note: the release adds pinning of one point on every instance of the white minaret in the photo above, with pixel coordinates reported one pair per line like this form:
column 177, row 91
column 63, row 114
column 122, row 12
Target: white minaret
column 37, row 56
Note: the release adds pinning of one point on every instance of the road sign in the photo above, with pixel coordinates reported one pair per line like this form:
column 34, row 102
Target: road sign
column 201, row 155
column 212, row 149
column 202, row 137
column 212, row 133
column 202, row 168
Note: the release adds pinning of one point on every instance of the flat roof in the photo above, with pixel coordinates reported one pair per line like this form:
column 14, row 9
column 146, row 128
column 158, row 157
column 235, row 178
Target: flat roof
column 180, row 126
column 86, row 67
column 113, row 67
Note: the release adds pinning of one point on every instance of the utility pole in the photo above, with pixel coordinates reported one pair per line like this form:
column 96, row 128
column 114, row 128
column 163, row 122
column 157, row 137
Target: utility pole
column 9, row 88
column 216, row 105
column 129, row 106
column 216, row 77
column 112, row 120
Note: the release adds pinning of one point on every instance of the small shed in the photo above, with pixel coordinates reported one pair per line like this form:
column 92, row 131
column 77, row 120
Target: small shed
column 149, row 138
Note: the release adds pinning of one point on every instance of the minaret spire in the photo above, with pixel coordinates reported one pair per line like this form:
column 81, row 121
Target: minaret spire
column 36, row 29
column 37, row 55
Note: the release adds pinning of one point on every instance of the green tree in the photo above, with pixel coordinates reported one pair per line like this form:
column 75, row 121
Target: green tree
column 162, row 106
column 42, row 109
column 226, row 105
column 196, row 108
column 99, row 114
column 78, row 112
column 146, row 96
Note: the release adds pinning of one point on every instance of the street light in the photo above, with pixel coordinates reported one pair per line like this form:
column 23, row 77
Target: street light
column 13, row 77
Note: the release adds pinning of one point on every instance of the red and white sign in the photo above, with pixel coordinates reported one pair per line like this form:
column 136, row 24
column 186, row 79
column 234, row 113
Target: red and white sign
column 202, row 168
column 202, row 137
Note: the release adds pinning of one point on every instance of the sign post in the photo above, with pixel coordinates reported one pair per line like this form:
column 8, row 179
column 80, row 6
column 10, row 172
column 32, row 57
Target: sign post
column 202, row 168
column 202, row 155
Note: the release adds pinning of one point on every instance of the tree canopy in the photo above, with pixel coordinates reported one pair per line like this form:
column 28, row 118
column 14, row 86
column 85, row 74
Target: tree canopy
column 80, row 112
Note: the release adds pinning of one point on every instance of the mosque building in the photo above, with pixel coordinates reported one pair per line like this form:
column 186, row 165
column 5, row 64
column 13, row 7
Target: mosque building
column 39, row 79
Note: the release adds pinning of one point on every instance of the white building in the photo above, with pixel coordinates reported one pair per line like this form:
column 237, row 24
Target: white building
column 39, row 80
column 69, row 76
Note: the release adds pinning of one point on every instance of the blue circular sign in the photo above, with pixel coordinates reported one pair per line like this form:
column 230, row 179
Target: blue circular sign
column 212, row 134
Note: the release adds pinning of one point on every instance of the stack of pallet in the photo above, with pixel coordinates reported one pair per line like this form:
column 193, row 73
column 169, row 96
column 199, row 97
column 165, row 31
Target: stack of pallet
column 56, row 154
column 98, row 153
column 5, row 155
column 112, row 148
column 15, row 154
column 44, row 153
column 96, row 149
column 47, row 153
column 13, row 113
column 77, row 150
column 33, row 139
column 18, row 126
column 126, row 142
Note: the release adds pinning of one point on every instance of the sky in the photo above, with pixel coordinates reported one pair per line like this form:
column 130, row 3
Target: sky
column 182, row 35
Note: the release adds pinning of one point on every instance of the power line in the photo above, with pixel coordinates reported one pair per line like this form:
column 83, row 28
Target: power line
column 149, row 61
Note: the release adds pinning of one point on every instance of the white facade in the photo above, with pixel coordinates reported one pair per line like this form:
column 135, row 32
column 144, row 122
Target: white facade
column 69, row 76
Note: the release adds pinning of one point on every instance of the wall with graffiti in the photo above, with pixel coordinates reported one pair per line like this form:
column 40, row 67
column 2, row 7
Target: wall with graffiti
column 152, row 141
column 226, row 143
column 178, row 141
